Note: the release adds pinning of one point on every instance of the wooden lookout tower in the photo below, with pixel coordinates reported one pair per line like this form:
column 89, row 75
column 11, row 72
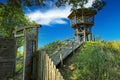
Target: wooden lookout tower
column 82, row 21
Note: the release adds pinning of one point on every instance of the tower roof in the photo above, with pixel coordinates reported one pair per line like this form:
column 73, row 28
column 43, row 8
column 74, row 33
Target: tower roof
column 85, row 11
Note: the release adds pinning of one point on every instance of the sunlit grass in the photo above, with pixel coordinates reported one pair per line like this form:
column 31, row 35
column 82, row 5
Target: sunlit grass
column 95, row 61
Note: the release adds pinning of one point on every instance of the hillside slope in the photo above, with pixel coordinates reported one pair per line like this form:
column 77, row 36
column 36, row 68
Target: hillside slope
column 94, row 61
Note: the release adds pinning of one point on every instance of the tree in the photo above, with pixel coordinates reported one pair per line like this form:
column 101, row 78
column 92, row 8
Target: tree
column 74, row 3
column 97, row 4
column 12, row 17
column 18, row 3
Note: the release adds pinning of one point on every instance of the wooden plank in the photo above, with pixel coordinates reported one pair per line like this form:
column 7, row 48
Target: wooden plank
column 7, row 57
column 47, row 62
column 47, row 70
column 53, row 73
column 43, row 72
column 48, row 67
column 42, row 66
column 57, row 76
column 19, row 35
column 56, row 57
column 28, row 56
column 52, row 70
column 27, row 27
column 39, row 65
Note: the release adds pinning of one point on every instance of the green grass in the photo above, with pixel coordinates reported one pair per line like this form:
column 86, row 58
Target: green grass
column 52, row 47
column 94, row 61
column 19, row 63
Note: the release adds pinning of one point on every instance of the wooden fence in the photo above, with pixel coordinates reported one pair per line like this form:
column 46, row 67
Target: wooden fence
column 7, row 58
column 46, row 69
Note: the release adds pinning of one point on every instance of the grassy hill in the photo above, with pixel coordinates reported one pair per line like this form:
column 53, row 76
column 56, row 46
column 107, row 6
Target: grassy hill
column 93, row 61
column 52, row 47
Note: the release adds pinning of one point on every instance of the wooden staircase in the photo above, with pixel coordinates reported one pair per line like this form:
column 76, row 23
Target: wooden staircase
column 64, row 52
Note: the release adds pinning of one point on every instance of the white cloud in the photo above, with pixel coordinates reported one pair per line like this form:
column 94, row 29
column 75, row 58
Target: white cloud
column 60, row 21
column 89, row 4
column 53, row 15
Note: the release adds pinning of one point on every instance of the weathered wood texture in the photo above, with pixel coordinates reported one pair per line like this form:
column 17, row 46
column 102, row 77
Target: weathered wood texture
column 46, row 69
column 30, row 34
column 82, row 21
column 7, row 57
column 64, row 52
column 28, row 57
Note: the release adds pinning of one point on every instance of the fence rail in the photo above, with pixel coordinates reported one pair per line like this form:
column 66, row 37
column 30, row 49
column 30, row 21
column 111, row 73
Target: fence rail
column 46, row 69
column 65, row 50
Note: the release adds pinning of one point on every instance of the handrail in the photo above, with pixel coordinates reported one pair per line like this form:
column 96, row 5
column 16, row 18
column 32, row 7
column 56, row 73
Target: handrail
column 63, row 51
column 66, row 43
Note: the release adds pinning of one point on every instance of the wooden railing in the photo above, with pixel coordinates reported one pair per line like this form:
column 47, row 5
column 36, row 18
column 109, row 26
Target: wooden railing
column 46, row 69
column 65, row 50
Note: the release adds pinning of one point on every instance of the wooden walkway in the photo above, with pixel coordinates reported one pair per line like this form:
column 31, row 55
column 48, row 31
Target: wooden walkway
column 64, row 52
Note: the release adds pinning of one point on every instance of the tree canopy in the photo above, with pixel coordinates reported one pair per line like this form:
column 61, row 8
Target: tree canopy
column 11, row 17
column 97, row 4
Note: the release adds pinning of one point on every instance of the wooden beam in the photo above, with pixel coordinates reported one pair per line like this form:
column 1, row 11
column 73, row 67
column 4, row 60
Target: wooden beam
column 27, row 27
column 19, row 35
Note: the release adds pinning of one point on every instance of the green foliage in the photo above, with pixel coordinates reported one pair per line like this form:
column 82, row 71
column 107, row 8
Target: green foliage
column 19, row 63
column 52, row 47
column 99, row 62
column 74, row 3
column 19, row 53
column 11, row 17
column 95, row 61
column 97, row 4
column 18, row 3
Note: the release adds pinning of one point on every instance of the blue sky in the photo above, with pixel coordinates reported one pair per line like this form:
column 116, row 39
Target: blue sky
column 107, row 22
column 56, row 25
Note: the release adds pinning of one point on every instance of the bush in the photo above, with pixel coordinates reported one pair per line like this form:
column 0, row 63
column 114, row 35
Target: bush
column 93, row 61
column 52, row 47
column 98, row 61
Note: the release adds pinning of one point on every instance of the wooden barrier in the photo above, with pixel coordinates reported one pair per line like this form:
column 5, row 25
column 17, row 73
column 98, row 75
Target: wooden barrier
column 7, row 57
column 46, row 69
column 30, row 35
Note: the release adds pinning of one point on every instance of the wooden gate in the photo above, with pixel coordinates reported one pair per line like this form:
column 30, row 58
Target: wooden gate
column 30, row 47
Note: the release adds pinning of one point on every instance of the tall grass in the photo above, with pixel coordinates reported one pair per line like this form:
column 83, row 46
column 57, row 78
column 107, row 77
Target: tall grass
column 96, row 61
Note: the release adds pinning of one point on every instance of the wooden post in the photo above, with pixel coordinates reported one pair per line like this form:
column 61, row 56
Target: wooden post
column 90, row 37
column 77, row 35
column 73, row 46
column 84, row 33
column 61, row 60
column 24, row 61
column 35, row 54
